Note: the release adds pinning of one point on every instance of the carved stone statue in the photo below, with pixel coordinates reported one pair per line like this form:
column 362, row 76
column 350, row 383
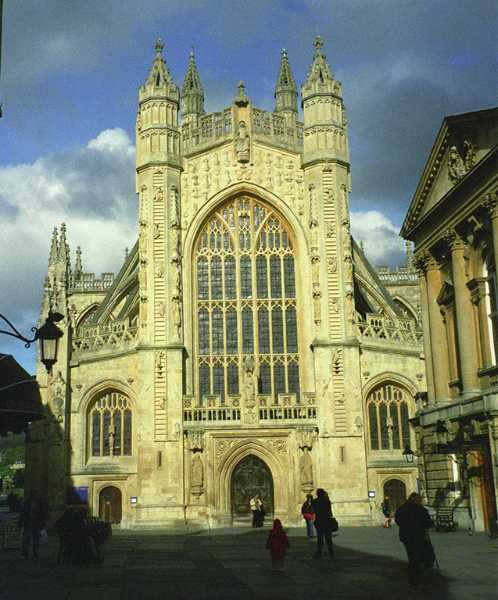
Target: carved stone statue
column 175, row 207
column 197, row 475
column 306, row 469
column 250, row 382
column 242, row 143
column 176, row 315
column 456, row 166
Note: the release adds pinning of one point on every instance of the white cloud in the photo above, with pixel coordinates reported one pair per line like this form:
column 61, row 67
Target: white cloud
column 112, row 140
column 380, row 237
column 91, row 189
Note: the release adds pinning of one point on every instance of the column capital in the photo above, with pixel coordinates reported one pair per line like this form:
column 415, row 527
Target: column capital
column 490, row 204
column 420, row 262
column 453, row 240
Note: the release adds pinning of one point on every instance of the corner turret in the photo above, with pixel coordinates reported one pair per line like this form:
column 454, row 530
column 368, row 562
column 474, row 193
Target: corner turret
column 325, row 134
column 192, row 98
column 285, row 88
column 157, row 118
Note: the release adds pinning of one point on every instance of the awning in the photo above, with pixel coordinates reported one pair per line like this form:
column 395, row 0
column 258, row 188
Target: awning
column 20, row 400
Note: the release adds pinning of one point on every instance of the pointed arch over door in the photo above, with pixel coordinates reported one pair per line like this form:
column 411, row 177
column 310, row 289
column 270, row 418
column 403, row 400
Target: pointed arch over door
column 251, row 476
column 245, row 300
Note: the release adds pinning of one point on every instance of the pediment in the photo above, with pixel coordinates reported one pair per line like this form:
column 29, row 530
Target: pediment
column 462, row 142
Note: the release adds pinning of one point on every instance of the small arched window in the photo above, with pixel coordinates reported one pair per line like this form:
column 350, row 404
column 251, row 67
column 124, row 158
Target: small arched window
column 388, row 417
column 110, row 425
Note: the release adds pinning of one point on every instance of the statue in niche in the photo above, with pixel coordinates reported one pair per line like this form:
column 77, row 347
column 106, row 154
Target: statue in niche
column 176, row 314
column 250, row 382
column 456, row 166
column 242, row 143
column 197, row 475
column 306, row 469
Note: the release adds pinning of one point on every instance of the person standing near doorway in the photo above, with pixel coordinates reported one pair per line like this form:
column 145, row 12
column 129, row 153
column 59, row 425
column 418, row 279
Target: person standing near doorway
column 308, row 515
column 258, row 515
column 323, row 522
column 386, row 511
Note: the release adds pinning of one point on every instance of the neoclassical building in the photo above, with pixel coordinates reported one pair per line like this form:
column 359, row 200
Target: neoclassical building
column 246, row 345
column 453, row 220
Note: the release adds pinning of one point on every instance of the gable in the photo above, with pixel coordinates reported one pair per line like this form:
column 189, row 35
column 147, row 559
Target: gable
column 463, row 141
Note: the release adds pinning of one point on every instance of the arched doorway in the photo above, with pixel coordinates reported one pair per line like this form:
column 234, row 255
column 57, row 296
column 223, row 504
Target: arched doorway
column 395, row 490
column 250, row 477
column 110, row 504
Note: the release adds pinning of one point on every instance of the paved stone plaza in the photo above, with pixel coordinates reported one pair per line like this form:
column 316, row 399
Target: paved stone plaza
column 233, row 564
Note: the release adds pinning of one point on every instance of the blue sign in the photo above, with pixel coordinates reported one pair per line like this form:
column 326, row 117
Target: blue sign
column 77, row 495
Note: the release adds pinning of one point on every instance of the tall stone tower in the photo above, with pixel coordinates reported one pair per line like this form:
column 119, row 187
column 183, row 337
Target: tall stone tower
column 224, row 359
column 327, row 181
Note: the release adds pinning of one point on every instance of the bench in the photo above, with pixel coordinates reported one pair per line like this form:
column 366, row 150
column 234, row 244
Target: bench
column 444, row 519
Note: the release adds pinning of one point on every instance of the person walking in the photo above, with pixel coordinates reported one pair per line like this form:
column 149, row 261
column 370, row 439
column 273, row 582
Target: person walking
column 258, row 513
column 33, row 518
column 323, row 522
column 386, row 511
column 308, row 515
column 277, row 543
column 413, row 521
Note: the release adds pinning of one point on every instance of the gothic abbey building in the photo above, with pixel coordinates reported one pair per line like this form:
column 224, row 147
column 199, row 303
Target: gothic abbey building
column 246, row 345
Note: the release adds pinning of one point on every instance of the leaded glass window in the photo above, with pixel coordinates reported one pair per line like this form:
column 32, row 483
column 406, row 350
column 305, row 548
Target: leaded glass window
column 388, row 415
column 245, row 301
column 110, row 426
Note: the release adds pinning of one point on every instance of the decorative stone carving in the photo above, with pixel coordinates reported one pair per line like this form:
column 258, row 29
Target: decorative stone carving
column 58, row 396
column 306, row 437
column 250, row 383
column 317, row 303
column 160, row 364
column 222, row 447
column 306, row 469
column 195, row 439
column 242, row 143
column 174, row 208
column 279, row 445
column 176, row 315
column 197, row 474
column 331, row 265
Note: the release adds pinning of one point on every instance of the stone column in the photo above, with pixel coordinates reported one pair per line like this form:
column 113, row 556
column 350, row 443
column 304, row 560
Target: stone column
column 437, row 332
column 467, row 347
column 421, row 266
column 491, row 205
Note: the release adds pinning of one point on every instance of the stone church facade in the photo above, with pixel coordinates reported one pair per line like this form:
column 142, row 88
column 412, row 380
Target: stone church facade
column 246, row 345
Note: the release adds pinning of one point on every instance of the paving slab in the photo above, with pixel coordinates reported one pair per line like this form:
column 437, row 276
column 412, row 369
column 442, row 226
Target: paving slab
column 233, row 564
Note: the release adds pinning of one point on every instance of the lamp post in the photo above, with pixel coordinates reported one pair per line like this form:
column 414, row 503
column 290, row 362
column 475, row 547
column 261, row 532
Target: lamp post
column 48, row 335
column 409, row 454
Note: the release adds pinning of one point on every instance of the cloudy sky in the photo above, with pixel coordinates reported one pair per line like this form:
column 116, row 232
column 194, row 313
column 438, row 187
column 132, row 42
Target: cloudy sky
column 69, row 79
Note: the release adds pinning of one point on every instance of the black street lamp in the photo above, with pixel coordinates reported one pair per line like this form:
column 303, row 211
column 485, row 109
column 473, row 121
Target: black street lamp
column 48, row 335
column 409, row 454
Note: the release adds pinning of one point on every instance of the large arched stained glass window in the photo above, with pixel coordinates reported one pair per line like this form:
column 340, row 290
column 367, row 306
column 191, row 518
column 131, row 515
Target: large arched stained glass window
column 387, row 410
column 245, row 301
column 110, row 425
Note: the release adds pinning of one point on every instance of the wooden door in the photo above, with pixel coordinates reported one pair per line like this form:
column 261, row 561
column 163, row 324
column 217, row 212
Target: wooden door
column 250, row 477
column 110, row 504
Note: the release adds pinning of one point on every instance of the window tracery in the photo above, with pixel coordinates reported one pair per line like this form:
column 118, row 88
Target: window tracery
column 110, row 425
column 245, row 301
column 388, row 416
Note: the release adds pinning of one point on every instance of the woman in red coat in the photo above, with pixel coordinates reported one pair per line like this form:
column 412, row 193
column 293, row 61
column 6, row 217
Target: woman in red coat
column 277, row 544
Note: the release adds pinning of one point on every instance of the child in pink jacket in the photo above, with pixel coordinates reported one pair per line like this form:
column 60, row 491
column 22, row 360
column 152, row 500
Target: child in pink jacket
column 277, row 544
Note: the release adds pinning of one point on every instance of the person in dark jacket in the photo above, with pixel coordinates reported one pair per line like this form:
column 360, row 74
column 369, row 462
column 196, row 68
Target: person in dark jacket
column 33, row 518
column 413, row 521
column 323, row 522
column 308, row 514
column 386, row 511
